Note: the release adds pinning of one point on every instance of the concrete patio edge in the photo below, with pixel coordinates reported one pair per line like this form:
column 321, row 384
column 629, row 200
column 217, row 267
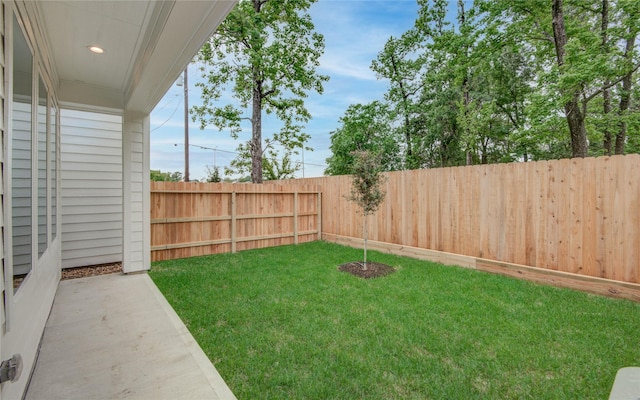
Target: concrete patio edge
column 211, row 373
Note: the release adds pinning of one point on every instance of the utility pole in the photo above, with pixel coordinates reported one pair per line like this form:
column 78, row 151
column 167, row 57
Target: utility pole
column 186, row 125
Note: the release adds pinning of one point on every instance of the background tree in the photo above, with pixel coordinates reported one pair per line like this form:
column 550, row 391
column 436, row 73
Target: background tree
column 275, row 164
column 266, row 52
column 364, row 128
column 213, row 174
column 502, row 80
column 275, row 168
column 157, row 175
column 440, row 135
column 576, row 48
column 399, row 63
column 366, row 189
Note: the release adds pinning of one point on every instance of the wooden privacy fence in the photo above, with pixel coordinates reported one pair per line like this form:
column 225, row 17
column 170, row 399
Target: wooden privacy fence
column 577, row 216
column 573, row 222
column 193, row 219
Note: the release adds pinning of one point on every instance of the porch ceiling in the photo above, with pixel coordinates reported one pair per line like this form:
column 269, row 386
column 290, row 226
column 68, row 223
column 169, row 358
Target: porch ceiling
column 146, row 44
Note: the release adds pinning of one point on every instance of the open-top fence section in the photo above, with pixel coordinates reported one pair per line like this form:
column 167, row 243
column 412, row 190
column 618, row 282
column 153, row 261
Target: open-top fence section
column 579, row 216
column 193, row 219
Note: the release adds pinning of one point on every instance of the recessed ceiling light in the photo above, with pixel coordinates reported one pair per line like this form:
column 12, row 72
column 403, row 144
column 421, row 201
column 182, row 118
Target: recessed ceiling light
column 95, row 49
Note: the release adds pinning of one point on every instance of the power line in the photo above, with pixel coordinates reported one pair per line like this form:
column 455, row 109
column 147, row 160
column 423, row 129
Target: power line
column 168, row 119
column 236, row 153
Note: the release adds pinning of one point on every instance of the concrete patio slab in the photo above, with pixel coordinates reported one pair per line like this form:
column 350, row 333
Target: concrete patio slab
column 116, row 337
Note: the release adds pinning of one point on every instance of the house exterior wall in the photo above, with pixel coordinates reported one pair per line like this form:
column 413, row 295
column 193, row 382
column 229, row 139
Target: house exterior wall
column 136, row 231
column 91, row 169
column 31, row 247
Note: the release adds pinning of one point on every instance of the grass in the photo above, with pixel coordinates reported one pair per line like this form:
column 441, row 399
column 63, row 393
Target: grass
column 284, row 323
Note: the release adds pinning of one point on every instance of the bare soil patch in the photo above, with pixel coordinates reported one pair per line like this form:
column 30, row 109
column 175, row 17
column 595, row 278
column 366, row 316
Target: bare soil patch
column 91, row 270
column 374, row 269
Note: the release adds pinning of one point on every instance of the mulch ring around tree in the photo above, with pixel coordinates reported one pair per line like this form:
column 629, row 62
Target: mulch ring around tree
column 374, row 269
column 91, row 270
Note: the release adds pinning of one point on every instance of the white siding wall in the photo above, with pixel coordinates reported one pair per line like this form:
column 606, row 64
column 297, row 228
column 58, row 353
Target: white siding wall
column 136, row 233
column 91, row 169
column 21, row 188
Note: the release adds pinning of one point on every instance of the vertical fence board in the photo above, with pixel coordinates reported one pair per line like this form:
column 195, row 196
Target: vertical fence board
column 632, row 207
column 600, row 227
column 576, row 206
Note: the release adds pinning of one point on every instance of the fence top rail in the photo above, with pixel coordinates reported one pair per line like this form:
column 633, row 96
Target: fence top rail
column 235, row 191
column 234, row 187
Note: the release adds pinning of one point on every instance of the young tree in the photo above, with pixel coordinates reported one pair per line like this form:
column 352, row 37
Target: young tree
column 366, row 189
column 267, row 52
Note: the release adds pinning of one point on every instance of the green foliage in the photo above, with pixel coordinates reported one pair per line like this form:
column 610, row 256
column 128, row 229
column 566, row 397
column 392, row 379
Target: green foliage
column 213, row 174
column 276, row 169
column 398, row 63
column 275, row 164
column 157, row 175
column 363, row 128
column 488, row 87
column 265, row 53
column 367, row 180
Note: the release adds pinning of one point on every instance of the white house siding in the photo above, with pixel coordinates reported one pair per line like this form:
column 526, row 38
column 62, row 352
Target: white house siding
column 136, row 233
column 21, row 188
column 91, row 171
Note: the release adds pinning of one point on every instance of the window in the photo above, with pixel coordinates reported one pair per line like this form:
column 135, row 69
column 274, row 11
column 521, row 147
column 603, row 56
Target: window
column 33, row 149
column 21, row 150
column 43, row 113
column 53, row 151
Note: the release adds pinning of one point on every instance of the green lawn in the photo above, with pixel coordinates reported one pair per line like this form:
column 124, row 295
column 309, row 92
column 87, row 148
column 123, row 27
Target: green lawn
column 284, row 323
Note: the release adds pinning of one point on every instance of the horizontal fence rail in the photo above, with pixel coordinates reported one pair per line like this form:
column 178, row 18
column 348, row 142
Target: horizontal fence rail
column 575, row 216
column 193, row 219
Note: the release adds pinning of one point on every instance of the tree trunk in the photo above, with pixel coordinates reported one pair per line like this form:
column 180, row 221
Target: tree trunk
column 576, row 127
column 606, row 91
column 405, row 111
column 606, row 109
column 465, row 82
column 256, row 117
column 575, row 118
column 625, row 96
column 365, row 227
column 256, row 132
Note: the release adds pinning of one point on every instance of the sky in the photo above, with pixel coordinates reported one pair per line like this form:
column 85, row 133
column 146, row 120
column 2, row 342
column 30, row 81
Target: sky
column 354, row 30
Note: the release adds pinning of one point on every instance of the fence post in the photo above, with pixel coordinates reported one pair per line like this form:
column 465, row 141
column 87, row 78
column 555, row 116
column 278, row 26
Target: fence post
column 295, row 217
column 319, row 212
column 233, row 222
